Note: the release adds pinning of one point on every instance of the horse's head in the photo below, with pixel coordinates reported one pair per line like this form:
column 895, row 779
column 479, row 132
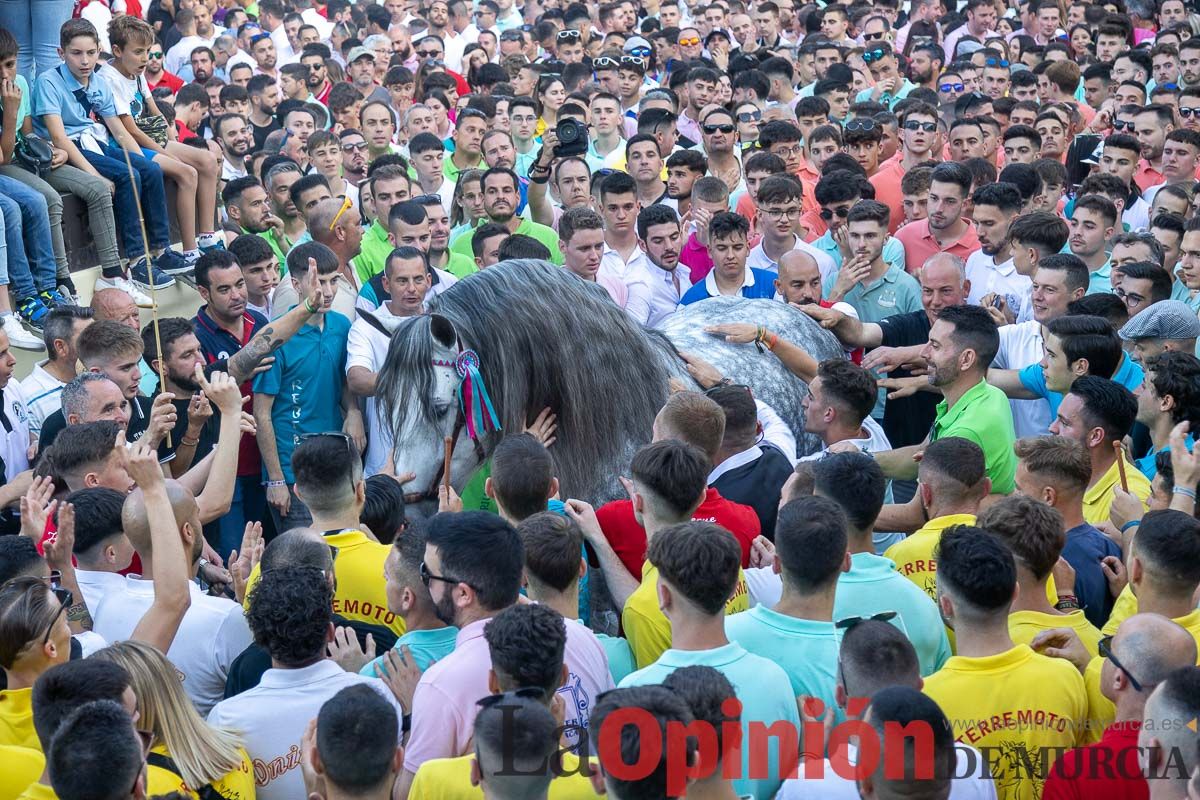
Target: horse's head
column 418, row 389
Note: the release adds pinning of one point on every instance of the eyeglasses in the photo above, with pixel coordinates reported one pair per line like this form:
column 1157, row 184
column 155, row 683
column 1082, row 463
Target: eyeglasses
column 1187, row 112
column 995, row 62
column 749, row 116
column 913, row 125
column 780, row 213
column 784, row 151
column 875, row 55
column 427, row 576
column 346, row 206
column 429, row 53
column 690, row 41
column 721, row 128
column 849, row 622
column 1104, row 647
column 524, row 693
column 1130, row 298
column 345, row 437
column 842, row 212
column 568, row 34
column 861, row 124
column 66, row 599
column 951, row 87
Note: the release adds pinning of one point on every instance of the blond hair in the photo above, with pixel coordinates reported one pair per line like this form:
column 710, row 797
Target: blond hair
column 204, row 754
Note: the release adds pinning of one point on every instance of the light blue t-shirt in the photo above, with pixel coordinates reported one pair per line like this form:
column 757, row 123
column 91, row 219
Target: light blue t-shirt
column 54, row 93
column 621, row 662
column 426, row 647
column 806, row 649
column 896, row 292
column 1129, row 374
column 760, row 684
column 23, row 108
column 893, row 254
column 873, row 586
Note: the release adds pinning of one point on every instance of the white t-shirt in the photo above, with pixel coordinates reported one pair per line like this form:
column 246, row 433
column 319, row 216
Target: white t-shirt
column 43, row 396
column 96, row 584
column 127, row 92
column 1020, row 346
column 986, row 277
column 213, row 633
column 271, row 719
column 14, row 434
column 977, row 785
column 181, row 53
column 367, row 347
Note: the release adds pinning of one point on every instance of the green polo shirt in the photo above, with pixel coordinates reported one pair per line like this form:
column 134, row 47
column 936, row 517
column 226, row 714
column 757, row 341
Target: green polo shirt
column 460, row 266
column 451, row 171
column 896, row 292
column 372, row 253
column 279, row 248
column 547, row 236
column 984, row 416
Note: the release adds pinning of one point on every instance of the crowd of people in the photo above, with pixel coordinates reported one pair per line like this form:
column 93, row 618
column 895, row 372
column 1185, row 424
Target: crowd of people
column 973, row 573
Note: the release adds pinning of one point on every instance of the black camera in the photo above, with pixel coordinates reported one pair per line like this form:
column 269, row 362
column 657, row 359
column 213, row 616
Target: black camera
column 572, row 138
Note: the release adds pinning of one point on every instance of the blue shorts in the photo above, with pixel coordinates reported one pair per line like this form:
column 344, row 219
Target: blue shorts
column 149, row 154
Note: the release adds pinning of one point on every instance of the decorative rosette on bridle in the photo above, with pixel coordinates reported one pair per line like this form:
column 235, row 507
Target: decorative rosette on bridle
column 478, row 413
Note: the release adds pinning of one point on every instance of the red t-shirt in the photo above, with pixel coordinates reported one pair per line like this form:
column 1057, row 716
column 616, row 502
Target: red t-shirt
column 1108, row 769
column 172, row 82
column 628, row 538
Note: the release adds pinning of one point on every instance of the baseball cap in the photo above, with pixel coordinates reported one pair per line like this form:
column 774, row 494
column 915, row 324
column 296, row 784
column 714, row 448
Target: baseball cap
column 359, row 52
column 1166, row 319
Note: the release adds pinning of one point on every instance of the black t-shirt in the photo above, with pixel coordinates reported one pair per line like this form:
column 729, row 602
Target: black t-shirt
column 261, row 134
column 758, row 485
column 907, row 421
column 208, row 434
column 139, row 421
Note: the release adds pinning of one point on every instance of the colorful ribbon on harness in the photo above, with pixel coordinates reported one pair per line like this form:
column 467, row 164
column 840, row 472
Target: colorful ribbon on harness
column 473, row 396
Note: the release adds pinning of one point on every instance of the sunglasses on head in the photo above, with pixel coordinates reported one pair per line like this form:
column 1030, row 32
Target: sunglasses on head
column 720, row 128
column 525, row 693
column 691, row 41
column 875, row 55
column 749, row 116
column 636, row 61
column 512, row 36
column 951, row 87
column 827, row 213
column 913, row 125
column 996, row 62
column 850, row 622
column 568, row 34
column 605, row 62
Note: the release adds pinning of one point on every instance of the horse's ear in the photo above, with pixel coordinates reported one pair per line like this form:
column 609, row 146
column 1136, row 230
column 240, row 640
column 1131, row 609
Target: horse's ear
column 442, row 330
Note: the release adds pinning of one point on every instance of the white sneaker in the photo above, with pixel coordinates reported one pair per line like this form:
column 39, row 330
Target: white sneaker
column 140, row 298
column 18, row 336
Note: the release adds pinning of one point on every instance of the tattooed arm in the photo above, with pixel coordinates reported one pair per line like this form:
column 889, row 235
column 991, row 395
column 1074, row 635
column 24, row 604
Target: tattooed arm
column 243, row 363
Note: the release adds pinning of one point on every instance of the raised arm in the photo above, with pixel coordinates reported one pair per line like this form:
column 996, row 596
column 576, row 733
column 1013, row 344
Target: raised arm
column 223, row 392
column 243, row 363
column 620, row 583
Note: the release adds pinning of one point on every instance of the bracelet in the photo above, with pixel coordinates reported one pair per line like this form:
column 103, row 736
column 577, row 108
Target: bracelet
column 273, row 484
column 309, row 307
column 186, row 442
column 1067, row 603
column 1133, row 523
column 1186, row 492
column 541, row 179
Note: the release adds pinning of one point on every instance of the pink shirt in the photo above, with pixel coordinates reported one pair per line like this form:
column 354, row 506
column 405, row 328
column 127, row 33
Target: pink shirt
column 587, row 677
column 919, row 244
column 615, row 287
column 443, row 712
column 695, row 256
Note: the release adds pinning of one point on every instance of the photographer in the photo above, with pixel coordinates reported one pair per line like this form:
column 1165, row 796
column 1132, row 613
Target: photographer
column 562, row 165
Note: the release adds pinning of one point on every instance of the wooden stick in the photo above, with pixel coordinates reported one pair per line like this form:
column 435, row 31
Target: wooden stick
column 1121, row 465
column 137, row 200
column 449, row 453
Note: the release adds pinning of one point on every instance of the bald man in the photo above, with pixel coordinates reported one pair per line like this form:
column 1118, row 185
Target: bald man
column 1148, row 647
column 213, row 632
column 341, row 231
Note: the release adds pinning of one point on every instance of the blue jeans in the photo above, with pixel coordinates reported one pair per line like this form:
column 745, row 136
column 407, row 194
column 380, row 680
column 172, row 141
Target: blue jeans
column 151, row 191
column 31, row 265
column 35, row 24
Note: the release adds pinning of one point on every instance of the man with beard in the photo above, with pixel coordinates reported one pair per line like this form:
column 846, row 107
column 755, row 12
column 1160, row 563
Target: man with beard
column 203, row 63
column 195, row 432
column 439, row 253
column 232, row 132
column 684, row 168
column 263, row 51
column 1151, row 126
column 264, row 99
column 354, row 155
column 360, row 67
column 660, row 236
column 945, row 230
column 315, row 57
column 501, row 194
column 990, row 269
column 572, row 182
column 719, row 138
column 918, row 136
column 291, row 227
column 925, row 64
column 701, row 88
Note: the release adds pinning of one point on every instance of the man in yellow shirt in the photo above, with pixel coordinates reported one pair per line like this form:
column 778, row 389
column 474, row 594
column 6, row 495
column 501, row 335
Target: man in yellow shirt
column 97, row 752
column 1098, row 413
column 1034, row 533
column 667, row 485
column 1018, row 708
column 952, row 482
column 330, row 482
column 516, row 667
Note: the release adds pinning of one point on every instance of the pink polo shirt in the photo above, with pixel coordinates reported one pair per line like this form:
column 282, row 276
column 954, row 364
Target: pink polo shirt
column 696, row 258
column 443, row 712
column 919, row 244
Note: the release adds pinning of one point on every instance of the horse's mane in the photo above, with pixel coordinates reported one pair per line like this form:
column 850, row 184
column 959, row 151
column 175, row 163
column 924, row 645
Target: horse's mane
column 545, row 338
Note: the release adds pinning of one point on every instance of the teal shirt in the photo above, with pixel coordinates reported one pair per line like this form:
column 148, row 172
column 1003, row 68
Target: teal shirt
column 1100, row 281
column 306, row 381
column 1180, row 292
column 425, row 646
column 896, row 292
column 1129, row 374
column 23, row 107
column 887, row 98
column 621, row 662
column 893, row 254
column 806, row 649
column 761, row 685
column 873, row 586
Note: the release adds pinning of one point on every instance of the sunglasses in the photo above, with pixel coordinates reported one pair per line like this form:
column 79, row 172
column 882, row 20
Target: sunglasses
column 849, row 622
column 827, row 213
column 571, row 34
column 605, row 62
column 640, row 52
column 512, row 36
column 345, row 437
column 913, row 125
column 691, row 41
column 871, row 37
column 637, row 61
column 361, row 147
column 861, row 124
column 154, row 55
column 66, row 600
column 875, row 55
column 995, row 62
column 1120, row 125
column 1187, row 112
column 347, row 204
column 749, row 116
column 429, row 53
column 722, row 128
column 951, row 87
column 1104, row 647
column 427, row 577
column 525, row 693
